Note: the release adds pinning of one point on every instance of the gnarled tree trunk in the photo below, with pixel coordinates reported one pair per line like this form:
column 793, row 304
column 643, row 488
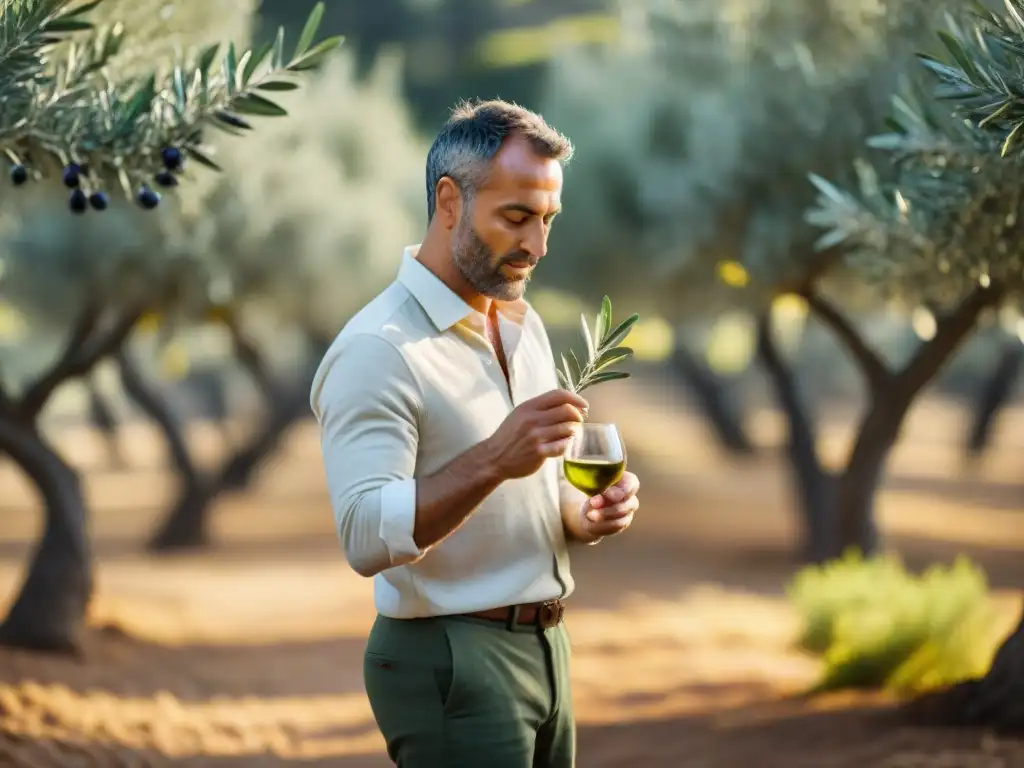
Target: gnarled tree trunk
column 995, row 393
column 101, row 415
column 189, row 522
column 186, row 525
column 995, row 701
column 712, row 398
column 815, row 488
column 48, row 613
column 862, row 477
column 891, row 395
column 838, row 509
column 239, row 472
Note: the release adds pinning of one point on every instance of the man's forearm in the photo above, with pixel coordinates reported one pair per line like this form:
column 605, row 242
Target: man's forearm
column 445, row 499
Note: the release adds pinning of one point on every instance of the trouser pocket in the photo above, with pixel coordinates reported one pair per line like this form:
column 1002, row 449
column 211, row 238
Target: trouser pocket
column 410, row 680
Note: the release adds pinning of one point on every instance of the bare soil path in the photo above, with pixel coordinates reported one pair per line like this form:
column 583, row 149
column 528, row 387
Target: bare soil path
column 250, row 654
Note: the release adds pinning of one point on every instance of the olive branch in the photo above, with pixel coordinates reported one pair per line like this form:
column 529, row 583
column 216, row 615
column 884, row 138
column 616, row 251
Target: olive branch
column 58, row 102
column 600, row 355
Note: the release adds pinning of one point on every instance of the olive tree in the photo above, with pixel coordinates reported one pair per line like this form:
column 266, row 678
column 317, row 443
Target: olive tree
column 67, row 112
column 306, row 224
column 947, row 228
column 711, row 116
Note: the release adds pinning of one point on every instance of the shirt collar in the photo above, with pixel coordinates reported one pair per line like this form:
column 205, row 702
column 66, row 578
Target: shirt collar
column 442, row 305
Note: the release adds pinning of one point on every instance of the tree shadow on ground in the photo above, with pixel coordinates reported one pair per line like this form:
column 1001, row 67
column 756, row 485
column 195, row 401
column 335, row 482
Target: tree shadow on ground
column 794, row 734
column 962, row 489
column 777, row 734
column 119, row 665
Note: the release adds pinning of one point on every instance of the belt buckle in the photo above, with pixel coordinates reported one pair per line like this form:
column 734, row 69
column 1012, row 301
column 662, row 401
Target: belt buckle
column 550, row 613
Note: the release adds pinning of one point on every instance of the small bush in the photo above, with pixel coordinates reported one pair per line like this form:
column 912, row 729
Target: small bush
column 878, row 626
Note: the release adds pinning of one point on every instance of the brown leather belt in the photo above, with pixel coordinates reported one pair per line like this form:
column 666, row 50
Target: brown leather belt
column 543, row 615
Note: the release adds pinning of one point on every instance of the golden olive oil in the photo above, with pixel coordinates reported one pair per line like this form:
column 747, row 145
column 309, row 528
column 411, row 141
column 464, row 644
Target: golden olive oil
column 593, row 476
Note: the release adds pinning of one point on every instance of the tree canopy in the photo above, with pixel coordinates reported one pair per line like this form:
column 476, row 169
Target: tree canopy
column 720, row 111
column 946, row 226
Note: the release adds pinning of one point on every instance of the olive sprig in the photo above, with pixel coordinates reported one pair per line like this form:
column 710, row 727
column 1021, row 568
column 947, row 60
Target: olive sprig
column 602, row 351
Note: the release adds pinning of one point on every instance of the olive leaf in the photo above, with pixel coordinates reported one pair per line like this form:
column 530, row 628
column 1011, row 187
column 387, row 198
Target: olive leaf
column 602, row 351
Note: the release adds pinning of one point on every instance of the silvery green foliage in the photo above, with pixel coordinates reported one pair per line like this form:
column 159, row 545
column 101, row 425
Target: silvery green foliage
column 50, row 260
column 313, row 211
column 694, row 145
column 53, row 262
column 63, row 105
column 949, row 220
column 160, row 31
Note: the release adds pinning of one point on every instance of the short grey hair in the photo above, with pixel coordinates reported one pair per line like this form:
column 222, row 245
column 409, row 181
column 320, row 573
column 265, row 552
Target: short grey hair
column 472, row 136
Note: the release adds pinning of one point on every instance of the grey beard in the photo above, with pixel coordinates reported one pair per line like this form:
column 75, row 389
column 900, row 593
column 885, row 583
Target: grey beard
column 480, row 269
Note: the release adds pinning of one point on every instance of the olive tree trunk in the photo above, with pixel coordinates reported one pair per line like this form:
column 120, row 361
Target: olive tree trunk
column 891, row 394
column 242, row 468
column 995, row 701
column 192, row 491
column 49, row 610
column 186, row 526
column 838, row 509
column 712, row 396
column 993, row 396
column 814, row 487
column 239, row 473
column 102, row 417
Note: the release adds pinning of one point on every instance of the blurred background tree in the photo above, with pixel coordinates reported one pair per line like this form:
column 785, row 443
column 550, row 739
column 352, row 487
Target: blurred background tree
column 946, row 232
column 697, row 183
column 306, row 225
column 90, row 279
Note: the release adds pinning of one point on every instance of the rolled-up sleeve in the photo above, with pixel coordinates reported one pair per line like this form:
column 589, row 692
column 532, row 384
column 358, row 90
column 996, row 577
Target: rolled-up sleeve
column 367, row 403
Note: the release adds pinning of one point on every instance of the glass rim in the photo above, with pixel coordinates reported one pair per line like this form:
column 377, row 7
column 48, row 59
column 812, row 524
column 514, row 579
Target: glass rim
column 598, row 424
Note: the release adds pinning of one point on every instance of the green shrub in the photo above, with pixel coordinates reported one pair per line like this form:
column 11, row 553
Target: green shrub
column 878, row 626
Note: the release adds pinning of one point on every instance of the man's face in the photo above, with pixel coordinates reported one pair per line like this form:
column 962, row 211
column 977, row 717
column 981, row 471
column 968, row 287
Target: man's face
column 503, row 231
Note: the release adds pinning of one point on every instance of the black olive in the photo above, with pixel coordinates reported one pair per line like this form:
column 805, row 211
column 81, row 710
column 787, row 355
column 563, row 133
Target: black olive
column 172, row 158
column 166, row 179
column 72, row 175
column 147, row 198
column 99, row 201
column 78, row 202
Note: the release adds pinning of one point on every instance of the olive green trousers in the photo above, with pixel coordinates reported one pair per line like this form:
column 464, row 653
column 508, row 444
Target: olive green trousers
column 461, row 692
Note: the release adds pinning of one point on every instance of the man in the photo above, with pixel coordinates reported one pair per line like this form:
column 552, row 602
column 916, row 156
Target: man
column 442, row 426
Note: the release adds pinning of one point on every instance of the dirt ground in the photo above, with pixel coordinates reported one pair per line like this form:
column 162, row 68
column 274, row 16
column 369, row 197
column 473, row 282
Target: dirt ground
column 250, row 654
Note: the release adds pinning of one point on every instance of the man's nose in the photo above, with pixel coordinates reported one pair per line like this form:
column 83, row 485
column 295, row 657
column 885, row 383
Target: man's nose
column 536, row 241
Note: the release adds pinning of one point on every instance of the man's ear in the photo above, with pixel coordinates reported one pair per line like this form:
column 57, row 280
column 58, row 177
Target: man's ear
column 449, row 203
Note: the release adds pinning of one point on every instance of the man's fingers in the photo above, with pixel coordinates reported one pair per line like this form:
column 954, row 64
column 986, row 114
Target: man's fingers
column 555, row 432
column 626, row 488
column 561, row 414
column 554, row 449
column 613, row 511
column 629, row 485
column 610, row 527
column 557, row 397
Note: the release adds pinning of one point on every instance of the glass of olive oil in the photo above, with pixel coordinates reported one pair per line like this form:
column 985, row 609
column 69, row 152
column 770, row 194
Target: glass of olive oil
column 596, row 458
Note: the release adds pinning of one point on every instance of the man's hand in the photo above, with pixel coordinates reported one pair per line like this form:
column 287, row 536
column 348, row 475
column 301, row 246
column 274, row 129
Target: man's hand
column 611, row 512
column 537, row 430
